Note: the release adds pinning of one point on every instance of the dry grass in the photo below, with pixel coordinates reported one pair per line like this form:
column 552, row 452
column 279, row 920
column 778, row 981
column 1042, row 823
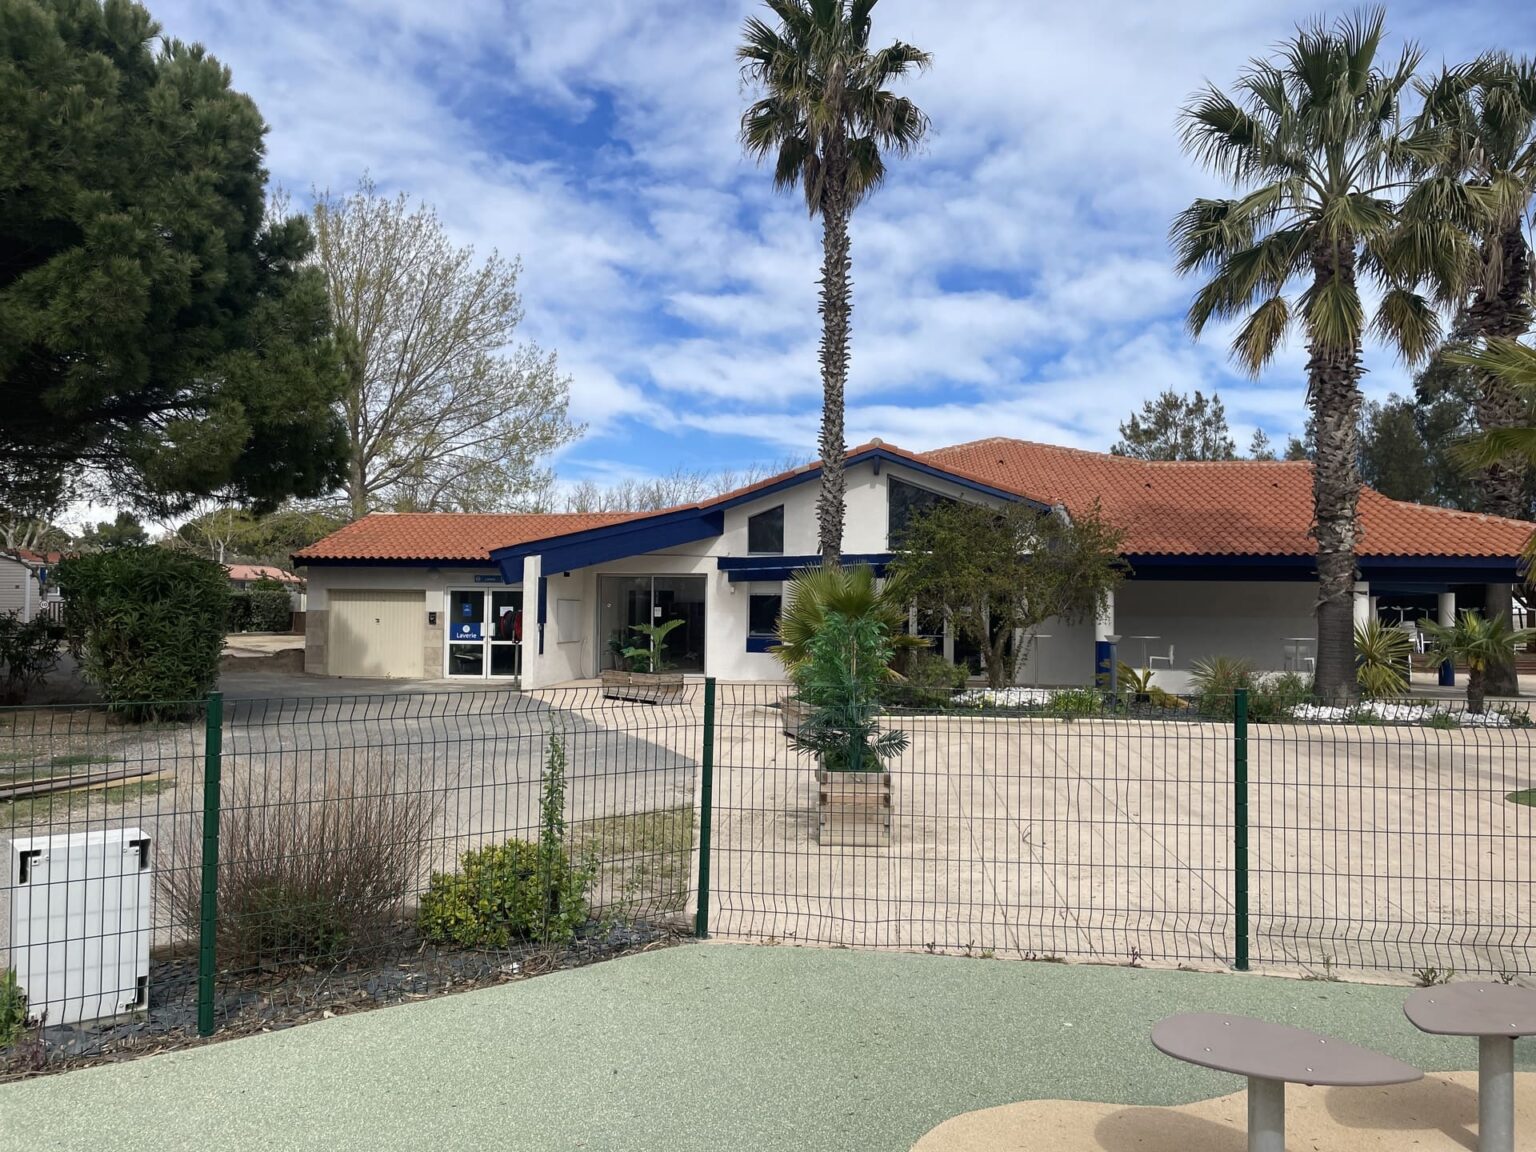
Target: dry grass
column 643, row 859
column 308, row 877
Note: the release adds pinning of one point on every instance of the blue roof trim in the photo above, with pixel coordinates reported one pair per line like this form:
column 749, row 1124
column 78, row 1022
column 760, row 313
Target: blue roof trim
column 613, row 541
column 1418, row 570
column 687, row 525
column 744, row 569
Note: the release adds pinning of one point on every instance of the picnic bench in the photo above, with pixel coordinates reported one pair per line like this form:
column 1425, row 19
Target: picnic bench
column 1272, row 1056
column 1496, row 1014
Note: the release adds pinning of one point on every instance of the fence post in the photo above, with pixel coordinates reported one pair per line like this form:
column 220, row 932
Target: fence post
column 706, row 807
column 1240, row 827
column 207, row 956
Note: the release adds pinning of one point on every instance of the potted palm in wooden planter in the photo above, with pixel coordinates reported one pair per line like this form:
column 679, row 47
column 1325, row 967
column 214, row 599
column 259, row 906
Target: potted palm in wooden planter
column 647, row 679
column 839, row 684
column 852, row 592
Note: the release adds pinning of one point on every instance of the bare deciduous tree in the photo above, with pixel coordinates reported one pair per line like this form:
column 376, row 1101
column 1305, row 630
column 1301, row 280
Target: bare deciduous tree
column 444, row 411
column 680, row 486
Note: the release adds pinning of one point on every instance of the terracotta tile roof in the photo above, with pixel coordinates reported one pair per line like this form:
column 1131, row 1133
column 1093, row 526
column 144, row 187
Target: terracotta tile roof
column 447, row 535
column 1237, row 507
column 253, row 572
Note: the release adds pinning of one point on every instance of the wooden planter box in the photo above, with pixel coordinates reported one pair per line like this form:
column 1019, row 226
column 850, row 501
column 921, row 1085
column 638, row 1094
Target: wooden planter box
column 793, row 713
column 853, row 807
column 641, row 687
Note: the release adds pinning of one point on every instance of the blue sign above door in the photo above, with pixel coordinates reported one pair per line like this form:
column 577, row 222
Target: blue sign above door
column 467, row 632
column 488, row 580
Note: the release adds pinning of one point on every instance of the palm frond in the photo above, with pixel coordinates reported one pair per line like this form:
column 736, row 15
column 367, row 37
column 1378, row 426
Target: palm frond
column 1256, row 342
column 1333, row 315
column 1409, row 323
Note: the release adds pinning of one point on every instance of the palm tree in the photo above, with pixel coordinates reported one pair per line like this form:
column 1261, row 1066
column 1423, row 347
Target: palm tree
column 1513, row 366
column 853, row 593
column 1482, row 121
column 825, row 116
column 1310, row 145
column 1478, row 642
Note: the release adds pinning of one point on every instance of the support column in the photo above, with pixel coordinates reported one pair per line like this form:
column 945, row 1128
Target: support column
column 1495, row 1093
column 1103, row 646
column 1447, row 617
column 1363, row 603
column 1266, row 1115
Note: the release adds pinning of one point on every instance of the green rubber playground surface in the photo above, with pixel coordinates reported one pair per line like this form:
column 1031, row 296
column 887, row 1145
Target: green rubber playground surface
column 700, row 1047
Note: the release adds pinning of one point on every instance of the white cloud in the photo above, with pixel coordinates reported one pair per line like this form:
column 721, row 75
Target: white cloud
column 1014, row 276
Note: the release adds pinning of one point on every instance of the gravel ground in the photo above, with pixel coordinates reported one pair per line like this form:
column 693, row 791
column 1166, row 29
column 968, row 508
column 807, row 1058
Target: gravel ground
column 695, row 1048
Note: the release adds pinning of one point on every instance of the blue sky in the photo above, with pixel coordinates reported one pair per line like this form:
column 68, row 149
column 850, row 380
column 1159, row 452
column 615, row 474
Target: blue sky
column 1012, row 279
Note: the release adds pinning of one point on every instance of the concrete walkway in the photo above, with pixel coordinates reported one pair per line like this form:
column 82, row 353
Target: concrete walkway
column 701, row 1047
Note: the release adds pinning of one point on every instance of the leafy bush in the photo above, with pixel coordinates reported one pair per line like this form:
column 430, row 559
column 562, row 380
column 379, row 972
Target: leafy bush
column 930, row 682
column 306, row 878
column 1381, row 660
column 147, row 625
column 13, row 1009
column 238, row 616
column 1216, row 680
column 1272, row 697
column 271, row 609
column 1076, row 702
column 514, row 891
column 840, row 683
column 29, row 649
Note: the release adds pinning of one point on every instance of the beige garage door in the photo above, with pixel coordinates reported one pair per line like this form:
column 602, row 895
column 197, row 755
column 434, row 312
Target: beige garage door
column 375, row 633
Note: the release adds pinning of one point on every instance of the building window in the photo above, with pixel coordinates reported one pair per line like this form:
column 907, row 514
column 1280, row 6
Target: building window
column 905, row 503
column 765, row 531
column 763, row 614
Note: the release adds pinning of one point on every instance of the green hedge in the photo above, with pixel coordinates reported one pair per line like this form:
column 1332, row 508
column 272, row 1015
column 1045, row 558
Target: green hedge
column 239, row 614
column 271, row 610
column 147, row 625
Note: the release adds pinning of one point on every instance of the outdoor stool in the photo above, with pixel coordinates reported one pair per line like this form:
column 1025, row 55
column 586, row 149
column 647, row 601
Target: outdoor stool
column 1270, row 1056
column 1496, row 1014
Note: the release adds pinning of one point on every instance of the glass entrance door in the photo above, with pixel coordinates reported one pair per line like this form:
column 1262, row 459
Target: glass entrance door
column 628, row 601
column 484, row 633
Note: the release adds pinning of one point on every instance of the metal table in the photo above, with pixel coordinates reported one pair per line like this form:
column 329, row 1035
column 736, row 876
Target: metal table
column 1496, row 1014
column 1145, row 640
column 1270, row 1056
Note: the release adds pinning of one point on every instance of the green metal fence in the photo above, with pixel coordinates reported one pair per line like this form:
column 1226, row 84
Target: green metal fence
column 301, row 857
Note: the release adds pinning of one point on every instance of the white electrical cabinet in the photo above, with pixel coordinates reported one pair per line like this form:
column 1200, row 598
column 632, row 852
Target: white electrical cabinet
column 81, row 923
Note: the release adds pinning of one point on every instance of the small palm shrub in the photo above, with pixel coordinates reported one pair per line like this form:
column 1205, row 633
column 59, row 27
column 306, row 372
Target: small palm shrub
column 840, row 683
column 306, row 877
column 1477, row 642
column 515, row 891
column 853, row 593
column 1214, row 682
column 1382, row 654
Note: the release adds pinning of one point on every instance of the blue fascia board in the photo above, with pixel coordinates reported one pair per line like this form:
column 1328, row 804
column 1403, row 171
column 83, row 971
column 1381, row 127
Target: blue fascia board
column 1394, row 570
column 768, row 569
column 614, row 541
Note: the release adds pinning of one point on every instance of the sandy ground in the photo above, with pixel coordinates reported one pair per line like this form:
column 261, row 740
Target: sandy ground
column 1378, row 848
column 1438, row 1114
column 700, row 1048
column 1389, row 848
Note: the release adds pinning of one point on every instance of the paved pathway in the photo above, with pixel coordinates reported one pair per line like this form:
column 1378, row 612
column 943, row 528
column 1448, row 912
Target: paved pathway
column 701, row 1047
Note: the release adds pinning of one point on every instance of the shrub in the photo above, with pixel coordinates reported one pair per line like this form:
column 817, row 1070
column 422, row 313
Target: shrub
column 271, row 609
column 239, row 615
column 840, row 684
column 29, row 649
column 515, row 891
column 930, row 682
column 306, row 877
column 1076, row 702
column 147, row 625
column 1381, row 660
column 1216, row 680
column 1272, row 697
column 13, row 1009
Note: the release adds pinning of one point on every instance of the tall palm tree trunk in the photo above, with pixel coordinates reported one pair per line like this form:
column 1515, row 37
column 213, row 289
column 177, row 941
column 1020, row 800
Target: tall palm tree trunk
column 836, row 308
column 1333, row 391
column 1504, row 313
